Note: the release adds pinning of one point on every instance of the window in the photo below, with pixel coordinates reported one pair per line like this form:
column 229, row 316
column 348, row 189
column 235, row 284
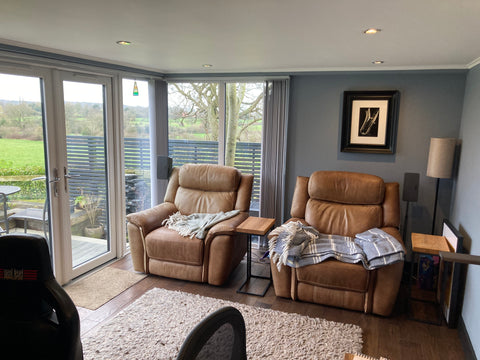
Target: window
column 217, row 123
column 136, row 139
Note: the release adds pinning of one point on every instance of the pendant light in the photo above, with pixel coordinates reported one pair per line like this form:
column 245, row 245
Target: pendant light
column 135, row 88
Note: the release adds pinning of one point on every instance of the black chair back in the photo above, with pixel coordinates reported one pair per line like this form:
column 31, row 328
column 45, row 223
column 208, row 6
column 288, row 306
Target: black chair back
column 220, row 336
column 38, row 320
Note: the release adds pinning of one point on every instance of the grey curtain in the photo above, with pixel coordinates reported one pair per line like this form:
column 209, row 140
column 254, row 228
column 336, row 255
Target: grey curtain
column 274, row 145
column 158, row 93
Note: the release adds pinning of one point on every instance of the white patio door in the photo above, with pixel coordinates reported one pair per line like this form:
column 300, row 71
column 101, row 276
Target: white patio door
column 57, row 141
column 84, row 139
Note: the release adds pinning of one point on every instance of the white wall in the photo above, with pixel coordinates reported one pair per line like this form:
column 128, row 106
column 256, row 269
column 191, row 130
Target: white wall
column 466, row 207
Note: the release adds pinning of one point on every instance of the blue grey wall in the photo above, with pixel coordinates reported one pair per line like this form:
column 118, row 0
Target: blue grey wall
column 466, row 207
column 430, row 106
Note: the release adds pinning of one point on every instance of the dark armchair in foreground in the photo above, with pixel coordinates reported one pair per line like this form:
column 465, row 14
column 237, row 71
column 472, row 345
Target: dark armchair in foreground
column 38, row 320
column 221, row 335
column 193, row 188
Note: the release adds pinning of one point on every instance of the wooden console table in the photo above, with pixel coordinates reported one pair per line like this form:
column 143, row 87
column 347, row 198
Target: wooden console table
column 254, row 226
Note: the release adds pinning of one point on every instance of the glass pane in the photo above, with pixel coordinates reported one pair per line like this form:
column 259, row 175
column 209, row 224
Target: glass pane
column 136, row 138
column 87, row 166
column 22, row 156
column 193, row 123
column 243, row 131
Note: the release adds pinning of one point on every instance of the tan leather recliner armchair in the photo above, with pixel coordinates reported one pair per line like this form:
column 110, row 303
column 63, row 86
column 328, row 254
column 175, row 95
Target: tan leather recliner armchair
column 193, row 188
column 344, row 203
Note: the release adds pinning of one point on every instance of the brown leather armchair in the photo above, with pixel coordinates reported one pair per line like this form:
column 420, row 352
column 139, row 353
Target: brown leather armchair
column 344, row 203
column 193, row 188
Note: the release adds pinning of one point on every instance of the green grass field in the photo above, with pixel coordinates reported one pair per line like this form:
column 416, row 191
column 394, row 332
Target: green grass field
column 21, row 157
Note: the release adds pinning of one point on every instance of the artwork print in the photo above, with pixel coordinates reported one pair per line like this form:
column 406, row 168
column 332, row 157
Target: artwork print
column 369, row 121
column 368, row 125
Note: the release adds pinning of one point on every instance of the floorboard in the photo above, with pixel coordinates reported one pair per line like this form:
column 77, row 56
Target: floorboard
column 395, row 337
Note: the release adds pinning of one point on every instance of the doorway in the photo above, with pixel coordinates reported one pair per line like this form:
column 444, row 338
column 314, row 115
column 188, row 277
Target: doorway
column 56, row 136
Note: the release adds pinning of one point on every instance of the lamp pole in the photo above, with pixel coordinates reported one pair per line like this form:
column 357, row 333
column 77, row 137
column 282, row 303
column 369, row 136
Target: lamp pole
column 435, row 207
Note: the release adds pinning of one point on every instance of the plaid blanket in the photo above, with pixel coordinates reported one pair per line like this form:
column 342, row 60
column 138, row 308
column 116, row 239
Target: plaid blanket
column 295, row 244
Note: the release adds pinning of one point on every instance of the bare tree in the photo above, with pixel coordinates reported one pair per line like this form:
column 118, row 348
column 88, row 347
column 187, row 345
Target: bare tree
column 200, row 102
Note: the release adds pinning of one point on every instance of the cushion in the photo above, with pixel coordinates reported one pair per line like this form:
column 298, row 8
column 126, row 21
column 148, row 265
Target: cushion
column 167, row 245
column 335, row 274
column 346, row 187
column 209, row 177
column 189, row 201
column 340, row 219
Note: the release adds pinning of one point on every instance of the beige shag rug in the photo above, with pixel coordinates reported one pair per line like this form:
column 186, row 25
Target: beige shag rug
column 156, row 324
column 95, row 290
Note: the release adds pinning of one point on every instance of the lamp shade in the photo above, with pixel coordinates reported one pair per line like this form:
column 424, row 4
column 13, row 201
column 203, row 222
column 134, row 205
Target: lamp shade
column 440, row 157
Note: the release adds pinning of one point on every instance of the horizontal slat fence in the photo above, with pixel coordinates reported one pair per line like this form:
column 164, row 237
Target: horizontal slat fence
column 86, row 160
column 86, row 165
column 248, row 158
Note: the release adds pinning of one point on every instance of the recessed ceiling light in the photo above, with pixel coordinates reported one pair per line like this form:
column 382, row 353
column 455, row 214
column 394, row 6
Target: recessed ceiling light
column 123, row 42
column 378, row 62
column 372, row 31
column 207, row 65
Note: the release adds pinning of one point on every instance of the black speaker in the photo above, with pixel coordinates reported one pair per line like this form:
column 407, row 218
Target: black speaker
column 164, row 167
column 410, row 186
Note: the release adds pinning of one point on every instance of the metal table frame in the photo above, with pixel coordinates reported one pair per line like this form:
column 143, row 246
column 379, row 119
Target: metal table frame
column 6, row 190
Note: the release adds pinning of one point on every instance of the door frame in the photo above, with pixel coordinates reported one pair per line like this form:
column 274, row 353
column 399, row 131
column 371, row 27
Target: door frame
column 55, row 154
column 66, row 266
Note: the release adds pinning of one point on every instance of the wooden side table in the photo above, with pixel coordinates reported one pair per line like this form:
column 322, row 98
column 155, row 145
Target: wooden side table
column 429, row 245
column 254, row 226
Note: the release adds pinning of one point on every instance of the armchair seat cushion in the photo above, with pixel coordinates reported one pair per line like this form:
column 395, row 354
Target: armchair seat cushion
column 167, row 245
column 335, row 275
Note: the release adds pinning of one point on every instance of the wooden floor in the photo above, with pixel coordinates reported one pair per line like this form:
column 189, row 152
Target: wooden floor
column 396, row 337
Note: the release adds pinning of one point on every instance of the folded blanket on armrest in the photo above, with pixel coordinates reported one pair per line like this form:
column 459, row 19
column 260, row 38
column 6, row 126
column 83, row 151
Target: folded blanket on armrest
column 196, row 224
column 379, row 247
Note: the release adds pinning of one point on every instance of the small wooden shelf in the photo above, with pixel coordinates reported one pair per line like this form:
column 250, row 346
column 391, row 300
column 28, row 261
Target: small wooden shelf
column 429, row 244
column 255, row 226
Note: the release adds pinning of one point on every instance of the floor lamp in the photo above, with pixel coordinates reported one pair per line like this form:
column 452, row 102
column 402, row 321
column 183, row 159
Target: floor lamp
column 440, row 164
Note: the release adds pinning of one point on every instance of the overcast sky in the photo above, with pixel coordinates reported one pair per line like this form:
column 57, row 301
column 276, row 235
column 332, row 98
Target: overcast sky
column 13, row 87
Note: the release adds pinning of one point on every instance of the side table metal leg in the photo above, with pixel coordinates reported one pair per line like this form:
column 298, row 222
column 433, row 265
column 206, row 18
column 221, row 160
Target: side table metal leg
column 5, row 219
column 249, row 272
column 249, row 257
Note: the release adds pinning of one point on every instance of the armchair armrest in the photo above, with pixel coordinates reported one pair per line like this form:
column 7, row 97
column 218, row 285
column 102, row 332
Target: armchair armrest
column 290, row 220
column 68, row 318
column 151, row 219
column 226, row 227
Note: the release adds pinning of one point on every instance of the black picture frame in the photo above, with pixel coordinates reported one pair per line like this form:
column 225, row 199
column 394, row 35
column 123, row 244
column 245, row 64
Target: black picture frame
column 370, row 121
column 451, row 276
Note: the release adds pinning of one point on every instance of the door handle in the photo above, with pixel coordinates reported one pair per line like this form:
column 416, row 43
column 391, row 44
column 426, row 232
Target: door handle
column 67, row 176
column 55, row 181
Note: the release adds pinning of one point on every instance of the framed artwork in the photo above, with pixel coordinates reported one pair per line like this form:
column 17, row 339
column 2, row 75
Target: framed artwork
column 370, row 121
column 451, row 276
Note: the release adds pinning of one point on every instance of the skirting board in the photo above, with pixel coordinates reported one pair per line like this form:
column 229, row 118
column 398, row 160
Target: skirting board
column 465, row 340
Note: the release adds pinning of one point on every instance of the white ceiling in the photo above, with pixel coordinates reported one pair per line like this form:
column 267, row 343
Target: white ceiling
column 178, row 36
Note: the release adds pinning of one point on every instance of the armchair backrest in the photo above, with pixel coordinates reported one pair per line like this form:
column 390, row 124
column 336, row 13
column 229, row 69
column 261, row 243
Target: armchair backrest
column 208, row 188
column 346, row 203
column 38, row 318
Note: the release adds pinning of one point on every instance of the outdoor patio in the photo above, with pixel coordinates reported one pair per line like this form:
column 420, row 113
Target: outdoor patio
column 83, row 248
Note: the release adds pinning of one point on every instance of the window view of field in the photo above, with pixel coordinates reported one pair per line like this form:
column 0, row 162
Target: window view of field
column 21, row 142
column 195, row 134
